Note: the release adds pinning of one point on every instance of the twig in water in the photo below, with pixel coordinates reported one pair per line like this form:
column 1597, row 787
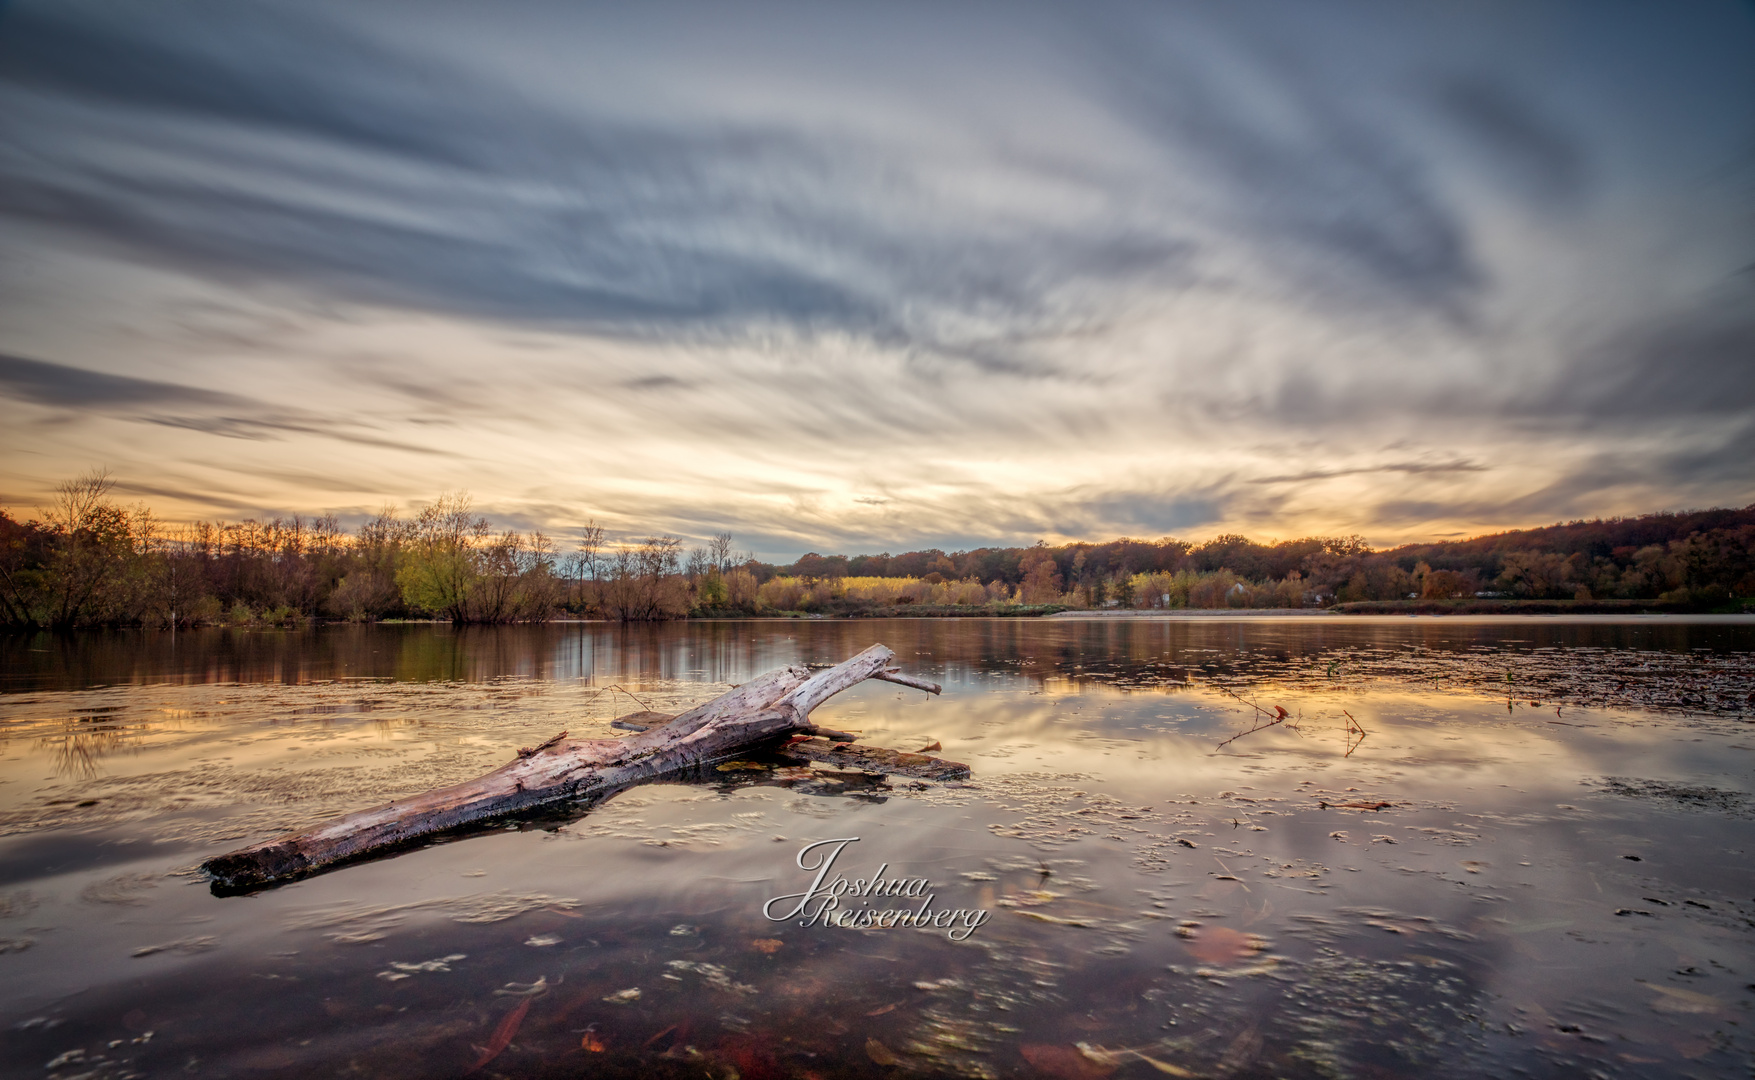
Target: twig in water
column 1279, row 715
column 1353, row 728
column 1228, row 875
column 622, row 689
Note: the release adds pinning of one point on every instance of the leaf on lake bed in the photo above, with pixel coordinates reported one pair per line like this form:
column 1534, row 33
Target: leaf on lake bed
column 399, row 969
column 1043, row 916
column 502, row 1036
column 1675, row 1000
column 125, row 889
column 1221, row 944
column 1104, row 1056
column 1065, row 1062
column 880, row 1054
column 18, row 903
column 592, row 1043
column 186, row 945
column 524, row 990
column 767, row 945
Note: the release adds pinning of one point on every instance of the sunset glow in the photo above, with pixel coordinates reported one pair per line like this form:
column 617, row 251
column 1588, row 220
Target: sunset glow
column 875, row 278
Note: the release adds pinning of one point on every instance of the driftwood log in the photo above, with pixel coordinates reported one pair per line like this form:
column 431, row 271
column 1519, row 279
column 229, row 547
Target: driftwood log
column 765, row 711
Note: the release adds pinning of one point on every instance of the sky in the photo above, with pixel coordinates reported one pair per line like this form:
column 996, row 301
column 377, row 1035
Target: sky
column 879, row 276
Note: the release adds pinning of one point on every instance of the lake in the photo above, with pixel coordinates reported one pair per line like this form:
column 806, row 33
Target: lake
column 1469, row 847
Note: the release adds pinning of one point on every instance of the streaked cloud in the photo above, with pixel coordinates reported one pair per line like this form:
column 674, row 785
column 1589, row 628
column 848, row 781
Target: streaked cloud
column 873, row 277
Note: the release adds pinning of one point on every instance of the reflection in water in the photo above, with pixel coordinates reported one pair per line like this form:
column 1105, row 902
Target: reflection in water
column 731, row 651
column 76, row 748
column 1443, row 848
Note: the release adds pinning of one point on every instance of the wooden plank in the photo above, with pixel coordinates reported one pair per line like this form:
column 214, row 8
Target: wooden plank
column 875, row 759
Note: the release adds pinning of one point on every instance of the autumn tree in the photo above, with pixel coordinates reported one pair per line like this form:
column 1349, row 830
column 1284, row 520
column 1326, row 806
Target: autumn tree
column 645, row 581
column 439, row 568
column 91, row 545
column 1041, row 584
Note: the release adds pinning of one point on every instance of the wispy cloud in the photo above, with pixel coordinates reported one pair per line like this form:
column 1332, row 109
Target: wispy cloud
column 168, row 404
column 1413, row 467
column 74, row 388
column 861, row 277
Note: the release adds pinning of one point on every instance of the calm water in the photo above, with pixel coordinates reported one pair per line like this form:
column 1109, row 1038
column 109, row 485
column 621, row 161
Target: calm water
column 1472, row 848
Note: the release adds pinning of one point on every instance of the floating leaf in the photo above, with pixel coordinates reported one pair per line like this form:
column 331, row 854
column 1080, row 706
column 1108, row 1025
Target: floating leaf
column 624, row 997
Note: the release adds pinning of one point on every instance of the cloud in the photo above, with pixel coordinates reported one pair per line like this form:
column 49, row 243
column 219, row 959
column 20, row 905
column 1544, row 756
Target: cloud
column 1694, row 359
column 472, row 197
column 1401, row 467
column 1344, row 209
column 392, row 175
column 228, row 415
column 864, row 276
column 76, row 388
column 1526, row 148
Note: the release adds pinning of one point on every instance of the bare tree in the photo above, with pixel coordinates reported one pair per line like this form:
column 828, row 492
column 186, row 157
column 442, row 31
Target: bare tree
column 700, row 561
column 645, row 581
column 720, row 549
column 591, row 550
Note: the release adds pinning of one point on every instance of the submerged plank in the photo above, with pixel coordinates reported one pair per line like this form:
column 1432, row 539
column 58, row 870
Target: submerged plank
column 875, row 759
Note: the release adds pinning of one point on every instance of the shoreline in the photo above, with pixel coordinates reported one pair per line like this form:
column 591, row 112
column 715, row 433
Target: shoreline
column 1301, row 614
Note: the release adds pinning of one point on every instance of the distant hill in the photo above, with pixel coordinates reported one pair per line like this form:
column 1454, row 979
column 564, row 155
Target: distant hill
column 1602, row 538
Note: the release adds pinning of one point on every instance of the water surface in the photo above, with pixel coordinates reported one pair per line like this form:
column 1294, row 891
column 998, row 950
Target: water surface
column 1485, row 847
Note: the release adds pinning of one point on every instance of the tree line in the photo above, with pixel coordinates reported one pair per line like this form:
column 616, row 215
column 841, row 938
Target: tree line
column 86, row 560
column 1696, row 559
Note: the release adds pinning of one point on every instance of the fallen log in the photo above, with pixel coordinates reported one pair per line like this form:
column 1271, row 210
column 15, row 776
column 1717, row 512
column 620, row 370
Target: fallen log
column 762, row 711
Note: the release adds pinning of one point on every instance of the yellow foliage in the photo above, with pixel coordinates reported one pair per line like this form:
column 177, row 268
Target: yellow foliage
column 814, row 594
